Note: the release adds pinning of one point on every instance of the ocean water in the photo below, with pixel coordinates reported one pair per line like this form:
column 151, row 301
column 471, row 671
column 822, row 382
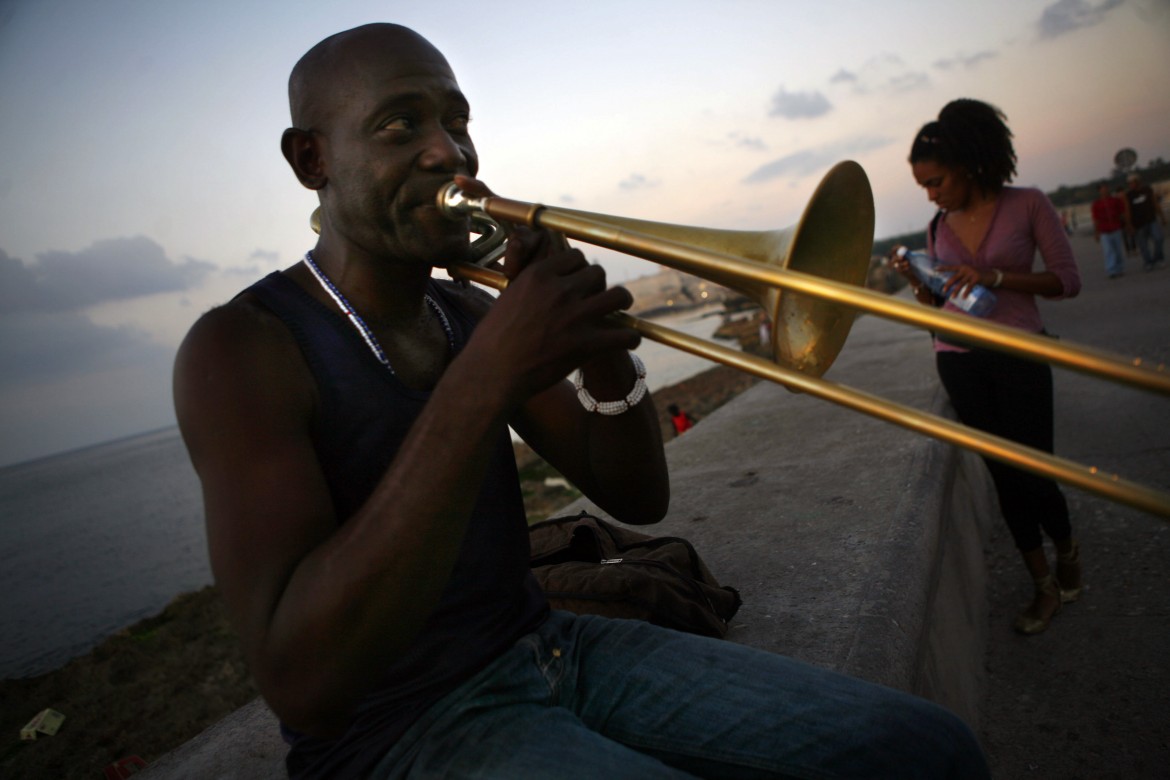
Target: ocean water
column 94, row 540
column 666, row 366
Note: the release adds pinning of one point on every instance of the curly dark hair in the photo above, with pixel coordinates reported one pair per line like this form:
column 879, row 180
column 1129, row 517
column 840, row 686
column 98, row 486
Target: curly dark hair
column 971, row 135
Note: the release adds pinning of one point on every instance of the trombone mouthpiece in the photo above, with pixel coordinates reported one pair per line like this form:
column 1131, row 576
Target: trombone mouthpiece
column 454, row 204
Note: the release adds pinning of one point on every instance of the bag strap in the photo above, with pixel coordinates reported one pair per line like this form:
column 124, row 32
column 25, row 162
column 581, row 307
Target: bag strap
column 932, row 231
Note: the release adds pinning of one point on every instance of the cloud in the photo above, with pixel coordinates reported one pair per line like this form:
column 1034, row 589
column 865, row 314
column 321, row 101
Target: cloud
column 109, row 270
column 265, row 257
column 965, row 61
column 748, row 142
column 908, row 81
column 260, row 262
column 811, row 161
column 882, row 73
column 799, row 105
column 41, row 347
column 19, row 288
column 53, row 355
column 1066, row 16
column 636, row 181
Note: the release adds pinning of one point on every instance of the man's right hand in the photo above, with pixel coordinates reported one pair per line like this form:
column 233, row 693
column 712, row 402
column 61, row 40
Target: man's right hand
column 553, row 316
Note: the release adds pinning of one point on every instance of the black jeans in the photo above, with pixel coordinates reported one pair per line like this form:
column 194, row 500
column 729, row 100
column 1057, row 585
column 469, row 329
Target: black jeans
column 1011, row 397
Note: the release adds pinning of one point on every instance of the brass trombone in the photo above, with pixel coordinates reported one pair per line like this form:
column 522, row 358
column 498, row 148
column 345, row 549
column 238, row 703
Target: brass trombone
column 809, row 279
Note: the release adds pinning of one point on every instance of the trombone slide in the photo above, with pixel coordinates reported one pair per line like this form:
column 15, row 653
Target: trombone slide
column 809, row 279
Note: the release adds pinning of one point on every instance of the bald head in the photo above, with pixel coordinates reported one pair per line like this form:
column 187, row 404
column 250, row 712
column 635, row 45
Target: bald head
column 324, row 74
column 379, row 124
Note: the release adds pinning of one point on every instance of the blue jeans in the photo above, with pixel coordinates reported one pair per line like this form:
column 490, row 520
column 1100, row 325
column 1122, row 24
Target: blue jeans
column 1113, row 244
column 587, row 697
column 1149, row 241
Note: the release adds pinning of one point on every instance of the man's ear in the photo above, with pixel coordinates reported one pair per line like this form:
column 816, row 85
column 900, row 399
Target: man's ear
column 301, row 149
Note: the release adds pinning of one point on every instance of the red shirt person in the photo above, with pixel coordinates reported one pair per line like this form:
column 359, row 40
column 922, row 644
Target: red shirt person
column 681, row 420
column 1109, row 218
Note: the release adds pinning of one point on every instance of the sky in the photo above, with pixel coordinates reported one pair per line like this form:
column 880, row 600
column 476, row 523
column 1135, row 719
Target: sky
column 141, row 180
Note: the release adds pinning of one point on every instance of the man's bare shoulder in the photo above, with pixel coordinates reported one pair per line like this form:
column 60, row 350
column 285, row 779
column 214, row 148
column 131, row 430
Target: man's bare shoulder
column 240, row 324
column 242, row 350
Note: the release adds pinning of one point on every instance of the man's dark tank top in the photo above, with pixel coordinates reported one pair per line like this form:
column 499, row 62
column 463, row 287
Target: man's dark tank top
column 492, row 599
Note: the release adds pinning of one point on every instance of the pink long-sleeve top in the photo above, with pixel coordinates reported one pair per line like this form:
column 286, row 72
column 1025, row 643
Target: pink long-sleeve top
column 1024, row 221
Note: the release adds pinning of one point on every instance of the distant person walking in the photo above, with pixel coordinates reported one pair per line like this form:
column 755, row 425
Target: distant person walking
column 988, row 233
column 1109, row 216
column 1130, row 246
column 1146, row 221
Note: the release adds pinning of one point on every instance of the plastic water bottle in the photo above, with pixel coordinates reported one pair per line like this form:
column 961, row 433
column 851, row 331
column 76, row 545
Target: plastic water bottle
column 979, row 302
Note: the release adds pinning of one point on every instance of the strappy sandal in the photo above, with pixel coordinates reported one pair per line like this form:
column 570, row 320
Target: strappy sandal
column 1044, row 606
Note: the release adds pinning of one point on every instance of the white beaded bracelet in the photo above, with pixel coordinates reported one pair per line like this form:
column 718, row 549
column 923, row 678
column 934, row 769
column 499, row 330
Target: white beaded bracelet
column 611, row 408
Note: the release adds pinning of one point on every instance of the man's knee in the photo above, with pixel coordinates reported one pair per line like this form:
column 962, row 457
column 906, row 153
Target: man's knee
column 934, row 741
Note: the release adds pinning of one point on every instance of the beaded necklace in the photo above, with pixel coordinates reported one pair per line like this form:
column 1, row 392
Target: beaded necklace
column 359, row 323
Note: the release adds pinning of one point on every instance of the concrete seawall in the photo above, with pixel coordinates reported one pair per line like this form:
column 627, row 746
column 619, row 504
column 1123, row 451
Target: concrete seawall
column 856, row 545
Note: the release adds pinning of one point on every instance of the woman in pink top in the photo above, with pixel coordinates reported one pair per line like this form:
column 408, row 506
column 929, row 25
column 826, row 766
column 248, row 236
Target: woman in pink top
column 988, row 233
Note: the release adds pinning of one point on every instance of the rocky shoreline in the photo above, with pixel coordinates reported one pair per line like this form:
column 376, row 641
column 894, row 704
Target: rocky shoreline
column 156, row 684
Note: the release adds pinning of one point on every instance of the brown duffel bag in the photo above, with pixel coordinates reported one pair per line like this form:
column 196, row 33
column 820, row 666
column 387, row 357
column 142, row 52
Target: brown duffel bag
column 589, row 566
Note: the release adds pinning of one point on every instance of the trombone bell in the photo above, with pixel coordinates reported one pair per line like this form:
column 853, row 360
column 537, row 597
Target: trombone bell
column 833, row 240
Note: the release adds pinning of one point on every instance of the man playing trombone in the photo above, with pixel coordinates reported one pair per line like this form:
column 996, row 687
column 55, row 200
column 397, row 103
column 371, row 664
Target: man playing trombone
column 348, row 420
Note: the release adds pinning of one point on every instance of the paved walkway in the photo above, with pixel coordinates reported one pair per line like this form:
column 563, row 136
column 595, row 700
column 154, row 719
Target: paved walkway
column 1090, row 698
